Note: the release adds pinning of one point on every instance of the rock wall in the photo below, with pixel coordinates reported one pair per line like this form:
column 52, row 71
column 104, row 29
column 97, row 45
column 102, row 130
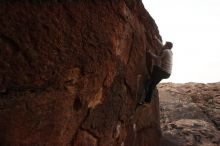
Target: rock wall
column 71, row 73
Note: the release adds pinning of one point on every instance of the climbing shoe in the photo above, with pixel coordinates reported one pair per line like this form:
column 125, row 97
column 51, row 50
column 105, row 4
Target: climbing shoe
column 141, row 103
column 147, row 100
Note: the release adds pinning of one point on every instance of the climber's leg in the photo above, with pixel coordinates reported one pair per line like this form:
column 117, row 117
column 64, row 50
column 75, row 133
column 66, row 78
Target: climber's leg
column 157, row 75
column 151, row 84
column 156, row 78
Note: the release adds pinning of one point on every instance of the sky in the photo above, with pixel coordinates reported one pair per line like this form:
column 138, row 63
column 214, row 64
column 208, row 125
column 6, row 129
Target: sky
column 194, row 28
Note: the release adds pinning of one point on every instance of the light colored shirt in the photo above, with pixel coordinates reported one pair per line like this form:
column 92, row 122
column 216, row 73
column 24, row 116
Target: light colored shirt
column 167, row 61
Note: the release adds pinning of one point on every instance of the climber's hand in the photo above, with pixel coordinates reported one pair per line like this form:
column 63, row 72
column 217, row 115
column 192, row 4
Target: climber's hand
column 152, row 55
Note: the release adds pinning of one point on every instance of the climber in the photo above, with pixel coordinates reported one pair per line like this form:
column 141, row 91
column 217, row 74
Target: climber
column 161, row 70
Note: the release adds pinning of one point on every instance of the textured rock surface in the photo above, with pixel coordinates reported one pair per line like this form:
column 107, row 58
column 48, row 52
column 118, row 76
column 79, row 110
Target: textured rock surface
column 70, row 73
column 190, row 113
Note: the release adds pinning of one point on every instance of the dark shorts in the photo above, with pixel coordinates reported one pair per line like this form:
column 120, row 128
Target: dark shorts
column 159, row 73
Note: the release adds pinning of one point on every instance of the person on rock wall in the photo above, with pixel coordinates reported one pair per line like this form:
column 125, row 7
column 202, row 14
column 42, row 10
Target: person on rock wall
column 161, row 70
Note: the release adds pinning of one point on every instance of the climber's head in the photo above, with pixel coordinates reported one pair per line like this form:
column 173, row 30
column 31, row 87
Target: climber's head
column 168, row 45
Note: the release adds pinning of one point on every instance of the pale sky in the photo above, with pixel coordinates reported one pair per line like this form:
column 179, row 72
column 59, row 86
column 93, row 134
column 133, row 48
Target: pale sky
column 194, row 28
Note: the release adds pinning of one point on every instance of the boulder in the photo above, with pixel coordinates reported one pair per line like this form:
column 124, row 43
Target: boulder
column 72, row 72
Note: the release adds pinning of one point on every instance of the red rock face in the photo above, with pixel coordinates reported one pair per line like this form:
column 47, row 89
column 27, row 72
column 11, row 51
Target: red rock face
column 71, row 73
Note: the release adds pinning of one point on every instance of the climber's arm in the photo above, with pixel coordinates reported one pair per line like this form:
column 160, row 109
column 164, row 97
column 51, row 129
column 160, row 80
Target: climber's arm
column 153, row 55
column 158, row 40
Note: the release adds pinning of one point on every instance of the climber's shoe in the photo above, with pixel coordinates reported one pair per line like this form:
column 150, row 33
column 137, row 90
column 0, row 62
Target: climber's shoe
column 141, row 103
column 147, row 100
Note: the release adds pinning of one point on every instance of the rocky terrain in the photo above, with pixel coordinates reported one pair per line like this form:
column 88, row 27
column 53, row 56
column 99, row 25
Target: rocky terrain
column 71, row 72
column 190, row 113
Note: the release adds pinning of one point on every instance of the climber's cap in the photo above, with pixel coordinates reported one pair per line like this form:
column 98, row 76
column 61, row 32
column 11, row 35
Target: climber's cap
column 168, row 45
